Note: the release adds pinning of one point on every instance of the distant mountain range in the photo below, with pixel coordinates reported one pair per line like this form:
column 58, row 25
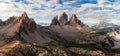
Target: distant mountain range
column 106, row 26
column 44, row 24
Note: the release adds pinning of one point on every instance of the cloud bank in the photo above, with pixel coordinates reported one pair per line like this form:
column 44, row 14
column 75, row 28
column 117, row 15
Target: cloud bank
column 89, row 11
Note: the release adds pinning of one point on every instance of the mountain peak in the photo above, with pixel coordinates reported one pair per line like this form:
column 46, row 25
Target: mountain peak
column 63, row 19
column 73, row 20
column 55, row 21
column 64, row 13
column 24, row 16
column 23, row 21
column 26, row 22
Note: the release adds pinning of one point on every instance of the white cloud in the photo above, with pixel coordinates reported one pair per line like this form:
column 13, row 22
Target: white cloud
column 101, row 2
column 97, row 12
column 85, row 12
column 69, row 2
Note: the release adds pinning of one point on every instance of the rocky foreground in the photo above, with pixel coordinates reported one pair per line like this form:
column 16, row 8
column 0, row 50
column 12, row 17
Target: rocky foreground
column 21, row 36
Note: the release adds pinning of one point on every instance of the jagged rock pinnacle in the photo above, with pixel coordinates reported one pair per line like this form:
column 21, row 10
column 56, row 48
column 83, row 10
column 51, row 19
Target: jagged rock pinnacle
column 24, row 16
column 23, row 21
column 73, row 20
column 27, row 23
column 55, row 21
column 63, row 19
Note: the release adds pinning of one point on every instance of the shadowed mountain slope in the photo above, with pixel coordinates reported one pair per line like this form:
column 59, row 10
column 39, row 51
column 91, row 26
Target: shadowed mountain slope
column 24, row 28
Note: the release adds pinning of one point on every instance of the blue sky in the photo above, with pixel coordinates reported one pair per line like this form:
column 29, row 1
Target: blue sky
column 88, row 11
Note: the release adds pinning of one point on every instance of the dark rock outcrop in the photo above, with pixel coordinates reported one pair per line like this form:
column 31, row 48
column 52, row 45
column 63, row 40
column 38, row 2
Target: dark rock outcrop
column 1, row 22
column 63, row 19
column 55, row 21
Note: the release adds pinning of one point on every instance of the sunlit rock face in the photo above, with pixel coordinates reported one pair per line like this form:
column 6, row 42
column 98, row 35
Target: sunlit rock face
column 116, row 36
column 117, row 40
column 111, row 34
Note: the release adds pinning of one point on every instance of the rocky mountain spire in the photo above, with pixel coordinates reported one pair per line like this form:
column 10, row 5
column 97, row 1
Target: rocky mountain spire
column 63, row 19
column 23, row 21
column 74, row 20
column 24, row 15
column 26, row 22
column 55, row 21
column 18, row 19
